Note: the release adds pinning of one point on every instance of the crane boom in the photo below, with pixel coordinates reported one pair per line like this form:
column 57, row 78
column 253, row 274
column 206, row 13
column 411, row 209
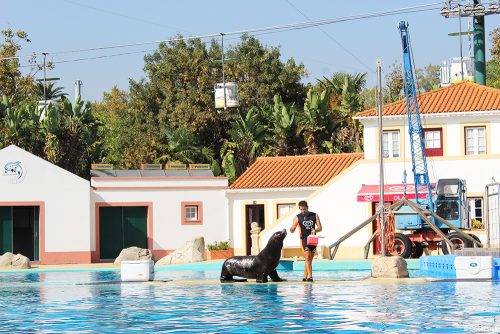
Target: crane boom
column 418, row 158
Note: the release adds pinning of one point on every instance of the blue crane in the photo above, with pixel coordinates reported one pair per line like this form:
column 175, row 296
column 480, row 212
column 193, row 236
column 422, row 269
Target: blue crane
column 417, row 143
column 450, row 203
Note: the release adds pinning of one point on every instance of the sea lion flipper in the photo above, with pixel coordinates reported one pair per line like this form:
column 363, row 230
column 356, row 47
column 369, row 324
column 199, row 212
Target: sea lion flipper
column 275, row 277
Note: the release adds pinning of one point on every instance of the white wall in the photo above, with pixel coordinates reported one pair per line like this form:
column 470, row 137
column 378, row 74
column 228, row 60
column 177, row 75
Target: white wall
column 168, row 233
column 66, row 197
column 336, row 201
column 453, row 130
column 238, row 199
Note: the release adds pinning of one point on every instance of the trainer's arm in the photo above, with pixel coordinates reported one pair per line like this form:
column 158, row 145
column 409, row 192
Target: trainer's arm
column 318, row 224
column 294, row 225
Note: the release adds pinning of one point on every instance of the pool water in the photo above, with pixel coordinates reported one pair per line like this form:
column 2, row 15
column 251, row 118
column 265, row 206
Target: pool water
column 96, row 302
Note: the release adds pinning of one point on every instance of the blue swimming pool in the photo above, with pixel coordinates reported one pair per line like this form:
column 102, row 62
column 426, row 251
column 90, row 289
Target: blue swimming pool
column 95, row 302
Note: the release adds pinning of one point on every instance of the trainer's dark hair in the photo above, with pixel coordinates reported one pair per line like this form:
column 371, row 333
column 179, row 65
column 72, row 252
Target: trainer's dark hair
column 303, row 204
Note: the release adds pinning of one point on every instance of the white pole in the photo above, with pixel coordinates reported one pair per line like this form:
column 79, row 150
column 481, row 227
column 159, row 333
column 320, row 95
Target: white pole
column 381, row 154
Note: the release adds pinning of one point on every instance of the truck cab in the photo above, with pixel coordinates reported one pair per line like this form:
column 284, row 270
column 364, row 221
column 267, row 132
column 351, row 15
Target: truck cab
column 451, row 203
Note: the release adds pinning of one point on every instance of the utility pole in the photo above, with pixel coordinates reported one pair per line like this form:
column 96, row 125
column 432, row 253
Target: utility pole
column 381, row 155
column 479, row 47
column 223, row 77
column 44, row 81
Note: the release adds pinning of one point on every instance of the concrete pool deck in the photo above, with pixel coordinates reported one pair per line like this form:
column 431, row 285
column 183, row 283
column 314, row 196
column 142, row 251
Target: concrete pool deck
column 285, row 264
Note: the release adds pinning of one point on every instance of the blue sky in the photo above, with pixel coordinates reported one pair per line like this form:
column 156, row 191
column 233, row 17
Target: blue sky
column 352, row 46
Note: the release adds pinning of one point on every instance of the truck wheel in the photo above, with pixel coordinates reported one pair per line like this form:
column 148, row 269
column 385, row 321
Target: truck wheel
column 475, row 237
column 402, row 246
column 418, row 250
column 457, row 240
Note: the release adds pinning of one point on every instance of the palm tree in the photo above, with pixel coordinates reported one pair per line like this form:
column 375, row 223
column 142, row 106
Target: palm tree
column 345, row 101
column 282, row 127
column 51, row 92
column 183, row 146
column 314, row 120
column 246, row 138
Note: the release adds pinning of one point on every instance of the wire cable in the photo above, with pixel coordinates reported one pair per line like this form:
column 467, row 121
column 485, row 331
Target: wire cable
column 331, row 38
column 270, row 29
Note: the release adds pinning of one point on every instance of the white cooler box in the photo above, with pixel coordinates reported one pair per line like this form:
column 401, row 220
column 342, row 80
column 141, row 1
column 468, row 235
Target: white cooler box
column 137, row 271
column 474, row 267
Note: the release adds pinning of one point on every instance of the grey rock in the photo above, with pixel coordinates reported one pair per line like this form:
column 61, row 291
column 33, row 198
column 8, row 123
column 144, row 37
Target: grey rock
column 191, row 251
column 17, row 261
column 390, row 267
column 6, row 260
column 20, row 261
column 134, row 254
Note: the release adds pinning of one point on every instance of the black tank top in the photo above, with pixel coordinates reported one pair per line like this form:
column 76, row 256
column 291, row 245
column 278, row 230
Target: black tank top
column 306, row 223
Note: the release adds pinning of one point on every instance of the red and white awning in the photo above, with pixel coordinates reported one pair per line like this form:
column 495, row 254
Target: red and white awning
column 392, row 192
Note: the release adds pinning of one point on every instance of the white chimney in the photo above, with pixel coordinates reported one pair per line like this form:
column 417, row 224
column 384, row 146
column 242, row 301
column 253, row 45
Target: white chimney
column 78, row 85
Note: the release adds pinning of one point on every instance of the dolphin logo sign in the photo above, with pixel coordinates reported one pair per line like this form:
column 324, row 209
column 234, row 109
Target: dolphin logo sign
column 15, row 171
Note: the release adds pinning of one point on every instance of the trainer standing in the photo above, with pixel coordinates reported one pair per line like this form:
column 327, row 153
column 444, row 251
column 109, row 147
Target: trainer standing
column 309, row 223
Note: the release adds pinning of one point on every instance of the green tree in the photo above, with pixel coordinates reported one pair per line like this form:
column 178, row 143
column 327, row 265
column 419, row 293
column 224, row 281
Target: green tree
column 345, row 102
column 428, row 78
column 71, row 137
column 244, row 145
column 48, row 91
column 282, row 128
column 394, row 84
column 13, row 83
column 20, row 125
column 314, row 120
column 493, row 65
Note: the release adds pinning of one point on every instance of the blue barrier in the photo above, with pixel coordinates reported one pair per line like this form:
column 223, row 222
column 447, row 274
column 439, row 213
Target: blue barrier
column 496, row 268
column 438, row 266
column 443, row 266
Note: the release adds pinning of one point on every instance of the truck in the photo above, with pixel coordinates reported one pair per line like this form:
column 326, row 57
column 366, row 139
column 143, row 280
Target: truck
column 447, row 200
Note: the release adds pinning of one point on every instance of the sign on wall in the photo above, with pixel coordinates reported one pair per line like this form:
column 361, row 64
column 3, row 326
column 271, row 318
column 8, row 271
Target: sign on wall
column 14, row 171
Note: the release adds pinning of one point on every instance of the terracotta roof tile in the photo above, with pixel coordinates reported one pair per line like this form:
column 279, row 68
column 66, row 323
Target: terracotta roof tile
column 295, row 171
column 461, row 97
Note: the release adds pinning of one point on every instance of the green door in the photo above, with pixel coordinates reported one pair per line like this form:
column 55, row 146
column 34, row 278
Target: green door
column 5, row 229
column 110, row 232
column 36, row 227
column 122, row 227
column 135, row 226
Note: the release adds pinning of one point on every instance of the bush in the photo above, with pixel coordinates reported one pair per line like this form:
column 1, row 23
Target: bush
column 476, row 223
column 221, row 245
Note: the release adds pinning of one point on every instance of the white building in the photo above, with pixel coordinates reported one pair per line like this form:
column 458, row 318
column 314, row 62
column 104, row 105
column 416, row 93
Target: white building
column 461, row 126
column 44, row 210
column 54, row 217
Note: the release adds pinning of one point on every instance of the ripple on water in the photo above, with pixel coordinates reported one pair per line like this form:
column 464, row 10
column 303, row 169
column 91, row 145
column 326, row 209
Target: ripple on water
column 55, row 302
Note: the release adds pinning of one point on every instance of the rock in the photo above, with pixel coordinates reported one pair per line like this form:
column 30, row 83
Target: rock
column 134, row 254
column 11, row 261
column 389, row 267
column 20, row 261
column 6, row 260
column 191, row 251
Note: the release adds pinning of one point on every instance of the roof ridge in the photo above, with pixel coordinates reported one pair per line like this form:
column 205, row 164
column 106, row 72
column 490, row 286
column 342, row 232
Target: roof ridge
column 449, row 90
column 305, row 156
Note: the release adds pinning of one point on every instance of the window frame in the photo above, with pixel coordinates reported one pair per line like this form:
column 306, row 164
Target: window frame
column 390, row 146
column 291, row 205
column 434, row 151
column 481, row 219
column 199, row 213
column 475, row 138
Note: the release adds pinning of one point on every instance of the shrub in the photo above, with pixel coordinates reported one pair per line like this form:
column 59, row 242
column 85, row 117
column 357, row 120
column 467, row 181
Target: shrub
column 476, row 223
column 221, row 245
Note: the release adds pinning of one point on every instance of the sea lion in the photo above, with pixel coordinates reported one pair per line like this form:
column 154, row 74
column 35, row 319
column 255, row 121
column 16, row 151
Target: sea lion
column 256, row 266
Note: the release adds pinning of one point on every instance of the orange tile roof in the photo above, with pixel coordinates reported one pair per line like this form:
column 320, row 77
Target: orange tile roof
column 295, row 171
column 461, row 97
